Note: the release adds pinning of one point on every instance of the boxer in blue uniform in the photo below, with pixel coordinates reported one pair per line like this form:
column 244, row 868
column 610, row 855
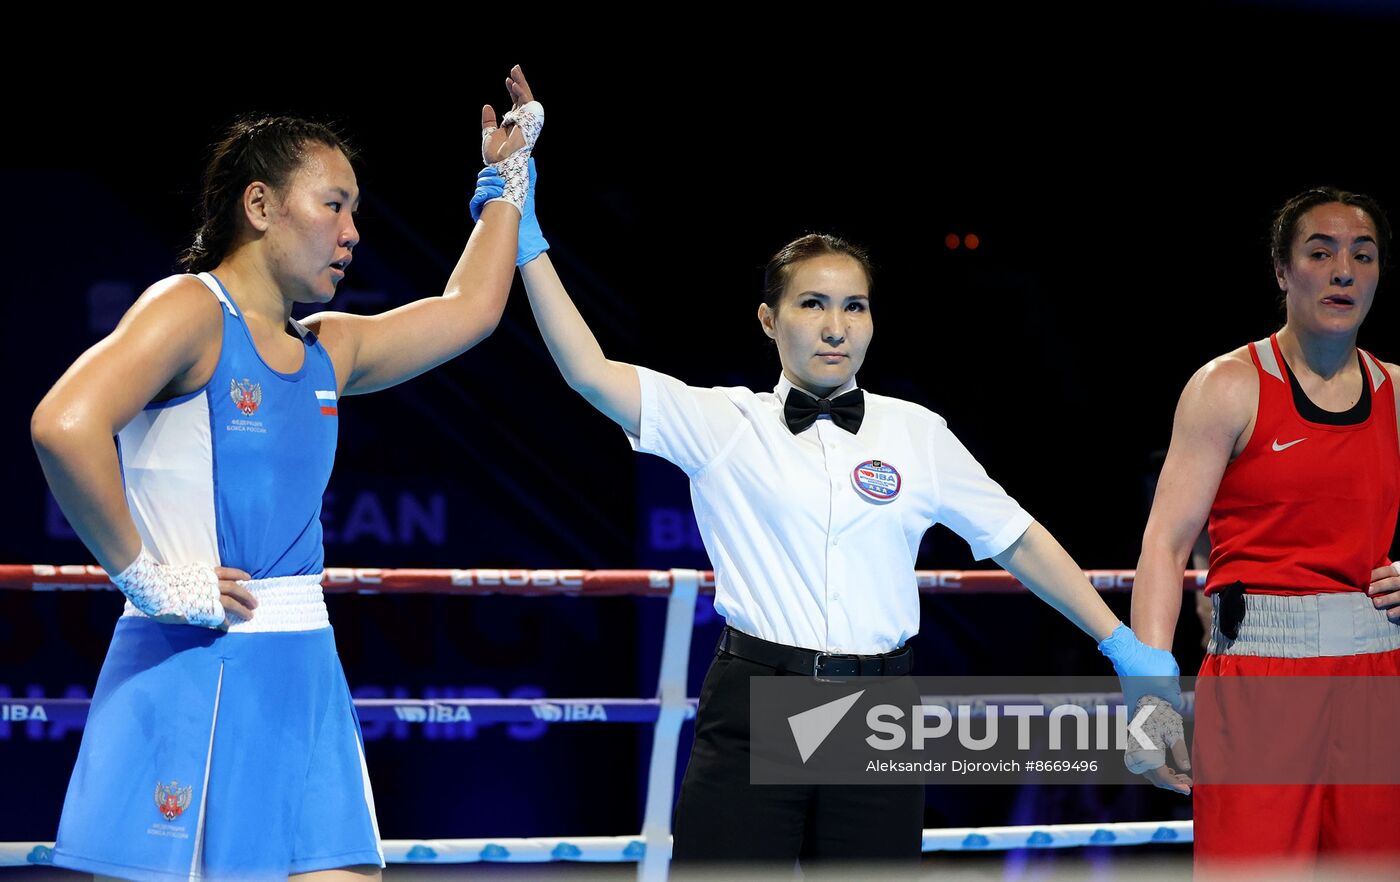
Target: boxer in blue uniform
column 222, row 742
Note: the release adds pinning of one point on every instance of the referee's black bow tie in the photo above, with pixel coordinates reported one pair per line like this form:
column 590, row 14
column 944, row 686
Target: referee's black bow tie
column 801, row 410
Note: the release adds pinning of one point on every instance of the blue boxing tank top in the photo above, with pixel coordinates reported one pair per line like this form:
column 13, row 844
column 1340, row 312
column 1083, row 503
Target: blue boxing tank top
column 233, row 474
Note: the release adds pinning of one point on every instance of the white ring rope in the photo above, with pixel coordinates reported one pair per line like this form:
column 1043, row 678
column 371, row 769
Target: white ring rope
column 621, row 849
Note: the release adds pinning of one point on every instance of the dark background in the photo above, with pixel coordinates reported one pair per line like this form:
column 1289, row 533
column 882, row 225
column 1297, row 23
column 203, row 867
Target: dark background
column 1120, row 169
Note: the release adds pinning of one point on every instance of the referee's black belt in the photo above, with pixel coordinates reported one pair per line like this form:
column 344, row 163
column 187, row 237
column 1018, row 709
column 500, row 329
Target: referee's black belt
column 822, row 665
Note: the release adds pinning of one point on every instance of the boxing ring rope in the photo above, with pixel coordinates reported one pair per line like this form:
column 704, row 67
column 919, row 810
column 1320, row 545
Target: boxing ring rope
column 551, row 583
column 667, row 712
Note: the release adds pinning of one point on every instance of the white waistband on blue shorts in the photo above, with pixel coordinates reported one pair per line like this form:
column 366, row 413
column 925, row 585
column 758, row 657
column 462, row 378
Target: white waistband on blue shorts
column 1307, row 626
column 285, row 603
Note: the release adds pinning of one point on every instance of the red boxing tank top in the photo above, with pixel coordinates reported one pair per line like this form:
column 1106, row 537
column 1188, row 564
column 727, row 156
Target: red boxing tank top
column 1306, row 507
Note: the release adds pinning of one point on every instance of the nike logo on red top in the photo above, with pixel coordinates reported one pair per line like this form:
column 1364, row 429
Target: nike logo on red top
column 1278, row 446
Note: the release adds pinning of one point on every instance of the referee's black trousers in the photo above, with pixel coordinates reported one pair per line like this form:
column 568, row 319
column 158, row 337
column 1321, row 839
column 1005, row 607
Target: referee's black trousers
column 722, row 818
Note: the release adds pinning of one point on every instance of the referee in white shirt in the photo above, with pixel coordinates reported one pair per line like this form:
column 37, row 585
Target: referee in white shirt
column 812, row 500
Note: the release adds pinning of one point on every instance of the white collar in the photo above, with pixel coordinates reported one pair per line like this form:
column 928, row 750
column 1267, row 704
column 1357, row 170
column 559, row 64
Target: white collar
column 784, row 386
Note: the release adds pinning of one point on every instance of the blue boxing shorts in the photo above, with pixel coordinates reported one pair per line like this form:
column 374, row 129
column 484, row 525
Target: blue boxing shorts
column 222, row 755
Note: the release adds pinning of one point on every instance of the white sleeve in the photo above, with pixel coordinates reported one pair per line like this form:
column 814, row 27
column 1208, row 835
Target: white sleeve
column 969, row 502
column 683, row 424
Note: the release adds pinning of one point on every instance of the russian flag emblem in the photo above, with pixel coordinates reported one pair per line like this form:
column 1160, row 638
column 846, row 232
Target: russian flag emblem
column 326, row 398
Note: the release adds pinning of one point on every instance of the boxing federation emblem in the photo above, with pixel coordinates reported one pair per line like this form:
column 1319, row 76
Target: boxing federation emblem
column 877, row 481
column 246, row 395
column 172, row 799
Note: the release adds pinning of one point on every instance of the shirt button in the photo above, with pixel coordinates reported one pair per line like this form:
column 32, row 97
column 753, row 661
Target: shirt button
column 836, row 596
column 835, row 540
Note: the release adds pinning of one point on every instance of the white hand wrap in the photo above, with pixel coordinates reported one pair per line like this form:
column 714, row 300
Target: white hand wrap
column 514, row 168
column 1163, row 728
column 190, row 591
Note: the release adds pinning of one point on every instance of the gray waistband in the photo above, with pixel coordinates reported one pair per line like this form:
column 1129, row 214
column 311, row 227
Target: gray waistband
column 1306, row 626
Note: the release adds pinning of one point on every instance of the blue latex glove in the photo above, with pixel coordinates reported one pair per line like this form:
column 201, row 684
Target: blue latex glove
column 531, row 243
column 1143, row 669
column 489, row 185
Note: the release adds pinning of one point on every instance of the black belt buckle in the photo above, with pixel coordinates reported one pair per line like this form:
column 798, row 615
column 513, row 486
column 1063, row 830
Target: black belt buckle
column 828, row 668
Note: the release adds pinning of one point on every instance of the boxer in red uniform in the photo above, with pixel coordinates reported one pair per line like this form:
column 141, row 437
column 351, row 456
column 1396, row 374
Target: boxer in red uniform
column 1289, row 446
